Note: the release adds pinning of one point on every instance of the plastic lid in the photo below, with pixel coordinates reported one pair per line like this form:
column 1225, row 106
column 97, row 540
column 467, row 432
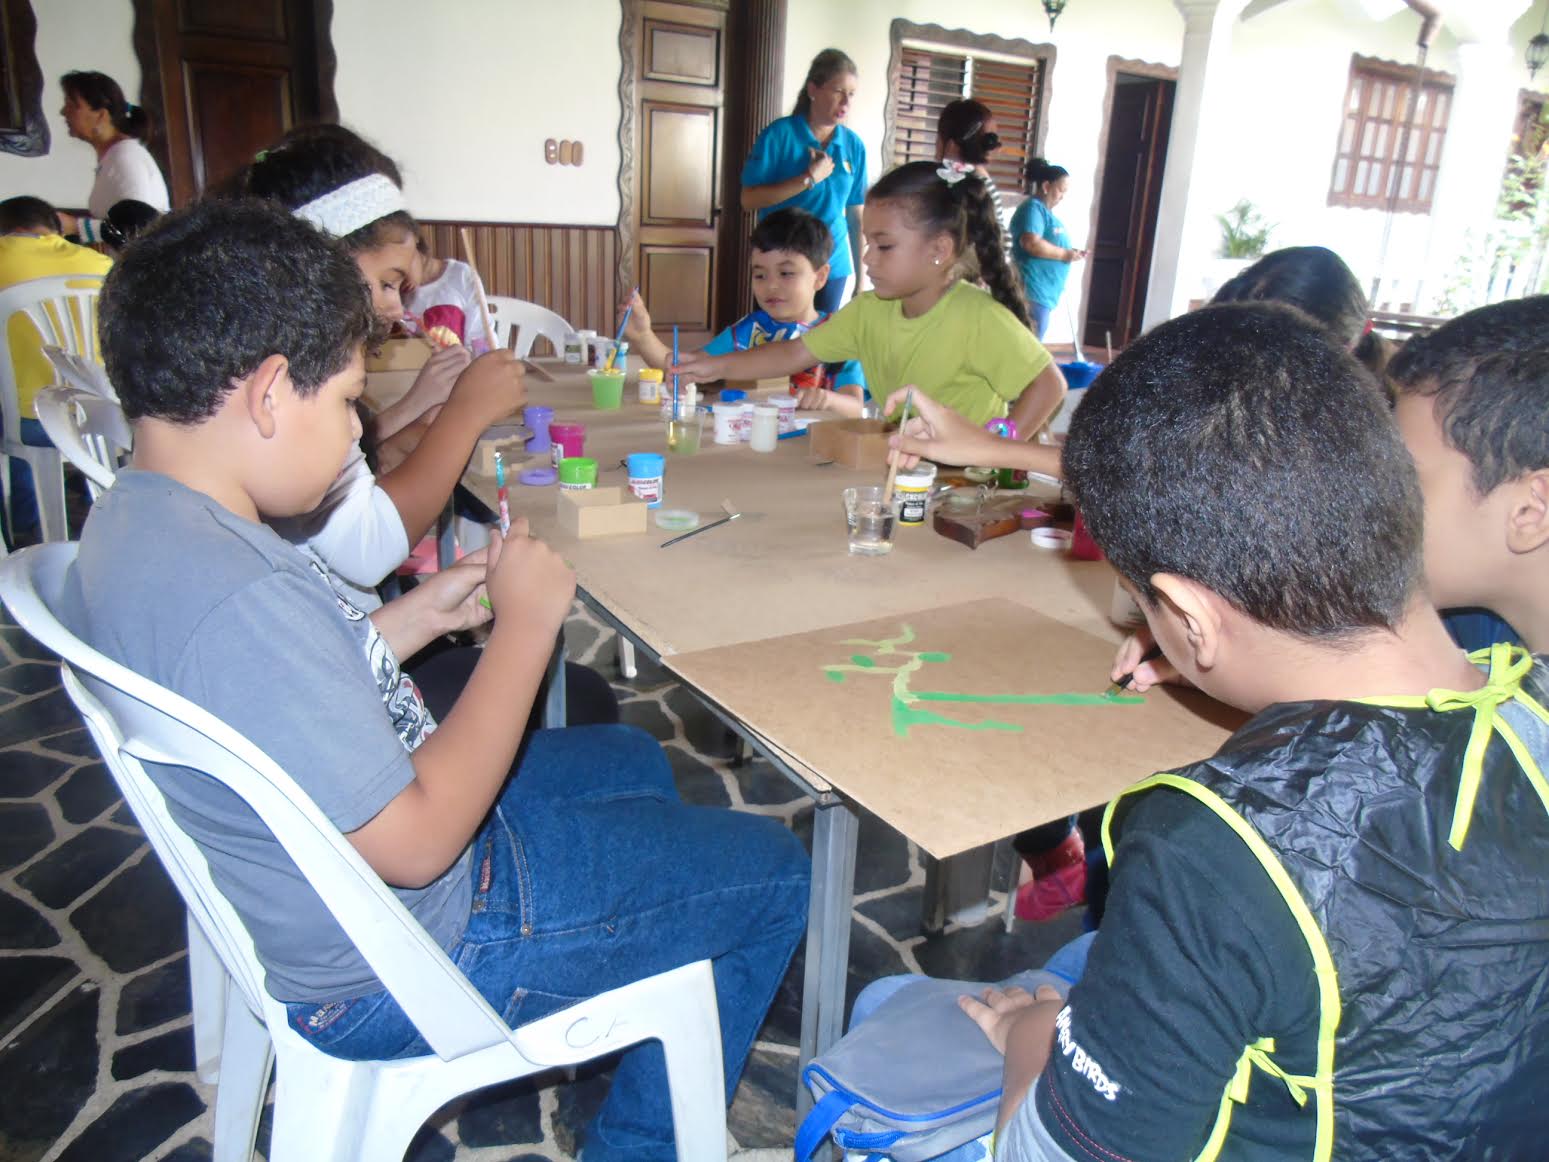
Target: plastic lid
column 676, row 520
column 764, row 409
column 782, row 400
column 732, row 395
column 538, row 476
column 645, row 463
column 650, row 373
column 918, row 476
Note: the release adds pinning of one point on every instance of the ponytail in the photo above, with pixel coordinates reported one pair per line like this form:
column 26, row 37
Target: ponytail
column 989, row 244
column 827, row 65
column 1039, row 171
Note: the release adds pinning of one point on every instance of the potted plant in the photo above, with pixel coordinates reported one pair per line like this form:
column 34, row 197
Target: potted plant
column 1244, row 239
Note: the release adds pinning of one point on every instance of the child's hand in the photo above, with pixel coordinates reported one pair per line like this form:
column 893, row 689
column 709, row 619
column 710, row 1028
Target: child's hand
column 936, row 432
column 639, row 319
column 527, row 581
column 436, row 379
column 493, row 386
column 1146, row 674
column 814, row 399
column 453, row 593
column 700, row 368
column 998, row 1011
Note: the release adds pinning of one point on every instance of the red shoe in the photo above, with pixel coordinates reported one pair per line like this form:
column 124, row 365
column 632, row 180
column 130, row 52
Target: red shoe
column 1058, row 883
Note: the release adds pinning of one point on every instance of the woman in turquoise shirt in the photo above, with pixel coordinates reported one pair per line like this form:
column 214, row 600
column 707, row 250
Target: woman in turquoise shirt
column 1039, row 243
column 814, row 162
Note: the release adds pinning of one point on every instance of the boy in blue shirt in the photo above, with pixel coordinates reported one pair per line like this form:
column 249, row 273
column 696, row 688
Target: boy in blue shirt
column 790, row 265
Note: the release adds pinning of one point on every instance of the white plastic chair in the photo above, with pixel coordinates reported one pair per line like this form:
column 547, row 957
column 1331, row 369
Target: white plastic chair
column 74, row 371
column 329, row 1109
column 530, row 321
column 89, row 431
column 64, row 311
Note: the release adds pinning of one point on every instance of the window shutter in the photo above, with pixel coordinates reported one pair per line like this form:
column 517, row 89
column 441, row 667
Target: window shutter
column 927, row 82
column 1367, row 165
column 1014, row 93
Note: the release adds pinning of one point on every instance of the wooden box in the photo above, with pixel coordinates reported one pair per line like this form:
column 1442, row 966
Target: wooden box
column 601, row 512
column 769, row 385
column 398, row 355
column 510, row 440
column 858, row 444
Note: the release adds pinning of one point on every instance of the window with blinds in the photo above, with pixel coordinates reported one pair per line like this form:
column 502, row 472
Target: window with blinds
column 1368, row 167
column 930, row 78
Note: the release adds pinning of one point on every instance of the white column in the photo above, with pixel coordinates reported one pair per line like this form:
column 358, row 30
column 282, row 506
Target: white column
column 1484, row 111
column 1186, row 233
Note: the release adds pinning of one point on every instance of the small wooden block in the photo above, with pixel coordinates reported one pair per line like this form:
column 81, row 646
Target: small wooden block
column 600, row 512
column 972, row 524
column 398, row 355
column 509, row 440
column 860, row 444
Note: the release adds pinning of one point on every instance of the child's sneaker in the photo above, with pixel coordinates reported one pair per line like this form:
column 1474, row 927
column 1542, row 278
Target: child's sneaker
column 1058, row 883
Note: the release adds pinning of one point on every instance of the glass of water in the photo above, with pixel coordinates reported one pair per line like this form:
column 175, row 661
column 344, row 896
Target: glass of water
column 870, row 520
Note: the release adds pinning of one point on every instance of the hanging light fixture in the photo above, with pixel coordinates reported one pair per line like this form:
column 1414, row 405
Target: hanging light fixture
column 1538, row 47
column 1054, row 7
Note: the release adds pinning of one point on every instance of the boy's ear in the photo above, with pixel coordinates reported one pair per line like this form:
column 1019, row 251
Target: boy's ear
column 261, row 393
column 822, row 279
column 1527, row 520
column 1196, row 611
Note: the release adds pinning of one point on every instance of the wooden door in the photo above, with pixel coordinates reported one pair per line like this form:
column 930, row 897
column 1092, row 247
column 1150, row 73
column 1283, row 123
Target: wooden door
column 225, row 78
column 1120, row 254
column 672, row 155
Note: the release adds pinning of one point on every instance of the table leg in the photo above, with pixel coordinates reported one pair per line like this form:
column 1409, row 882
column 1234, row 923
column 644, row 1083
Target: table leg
column 554, row 704
column 834, row 833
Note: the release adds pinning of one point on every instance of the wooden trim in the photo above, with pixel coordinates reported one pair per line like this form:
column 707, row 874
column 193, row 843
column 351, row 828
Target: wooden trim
column 629, row 67
column 960, row 38
column 19, row 28
column 569, row 269
column 755, row 73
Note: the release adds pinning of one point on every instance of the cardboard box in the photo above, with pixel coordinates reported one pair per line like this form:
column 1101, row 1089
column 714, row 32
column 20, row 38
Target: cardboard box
column 860, row 444
column 398, row 355
column 510, row 440
column 769, row 385
column 600, row 512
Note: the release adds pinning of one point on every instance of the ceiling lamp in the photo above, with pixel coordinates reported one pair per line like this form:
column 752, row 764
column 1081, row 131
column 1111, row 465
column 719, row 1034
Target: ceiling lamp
column 1054, row 7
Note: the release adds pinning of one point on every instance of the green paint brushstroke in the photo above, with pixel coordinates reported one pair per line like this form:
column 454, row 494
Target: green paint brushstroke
column 1029, row 699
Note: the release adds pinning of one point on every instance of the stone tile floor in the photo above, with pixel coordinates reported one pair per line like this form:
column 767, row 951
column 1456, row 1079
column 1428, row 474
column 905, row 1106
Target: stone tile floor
column 95, row 1038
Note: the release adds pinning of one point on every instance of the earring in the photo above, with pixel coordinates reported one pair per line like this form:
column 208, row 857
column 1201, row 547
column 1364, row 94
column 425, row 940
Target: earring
column 935, row 262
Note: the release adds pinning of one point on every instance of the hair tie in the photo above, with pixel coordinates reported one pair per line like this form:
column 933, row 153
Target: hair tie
column 128, row 109
column 953, row 172
column 260, row 155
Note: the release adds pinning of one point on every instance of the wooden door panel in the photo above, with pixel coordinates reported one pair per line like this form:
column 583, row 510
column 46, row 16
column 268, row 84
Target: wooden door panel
column 260, row 18
column 682, row 54
column 232, row 114
column 676, row 281
column 679, row 165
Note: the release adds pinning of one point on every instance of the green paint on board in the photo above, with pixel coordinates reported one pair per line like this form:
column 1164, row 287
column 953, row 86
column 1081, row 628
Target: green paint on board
column 1028, row 699
column 863, row 660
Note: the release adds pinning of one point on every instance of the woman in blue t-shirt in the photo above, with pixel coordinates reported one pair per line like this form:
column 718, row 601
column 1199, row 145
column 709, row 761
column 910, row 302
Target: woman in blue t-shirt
column 1039, row 243
column 812, row 161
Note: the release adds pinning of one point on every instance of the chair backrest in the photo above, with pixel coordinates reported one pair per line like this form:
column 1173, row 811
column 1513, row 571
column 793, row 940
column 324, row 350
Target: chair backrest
column 530, row 321
column 134, row 721
column 64, row 311
column 89, row 431
column 82, row 374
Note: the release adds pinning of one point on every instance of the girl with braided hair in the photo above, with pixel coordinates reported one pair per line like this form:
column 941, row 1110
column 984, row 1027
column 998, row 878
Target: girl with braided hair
column 923, row 324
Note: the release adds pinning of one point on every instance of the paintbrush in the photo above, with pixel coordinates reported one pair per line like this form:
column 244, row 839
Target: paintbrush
column 892, row 467
column 502, row 495
column 731, row 514
column 1122, row 684
column 624, row 322
column 489, row 327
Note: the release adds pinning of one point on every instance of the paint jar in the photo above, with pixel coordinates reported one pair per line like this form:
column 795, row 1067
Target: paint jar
column 744, row 419
column 687, row 398
column 607, row 389
column 869, row 520
column 568, row 440
column 645, row 476
column 728, row 422
column 537, row 418
column 577, row 472
column 648, row 385
column 589, row 350
column 787, row 406
column 766, row 427
column 575, row 348
column 912, row 488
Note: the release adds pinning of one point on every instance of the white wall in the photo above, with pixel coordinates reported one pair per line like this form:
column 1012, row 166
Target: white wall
column 72, row 34
column 464, row 95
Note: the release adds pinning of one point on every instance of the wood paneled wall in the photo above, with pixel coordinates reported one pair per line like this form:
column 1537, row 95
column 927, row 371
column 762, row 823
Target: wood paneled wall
column 569, row 269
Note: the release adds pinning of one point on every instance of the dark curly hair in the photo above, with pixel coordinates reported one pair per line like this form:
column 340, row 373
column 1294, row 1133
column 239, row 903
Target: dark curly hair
column 963, row 211
column 210, row 292
column 1236, row 446
column 312, row 160
column 100, row 91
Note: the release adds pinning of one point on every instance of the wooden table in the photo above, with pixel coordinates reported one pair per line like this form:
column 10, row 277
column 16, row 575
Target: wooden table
column 783, row 568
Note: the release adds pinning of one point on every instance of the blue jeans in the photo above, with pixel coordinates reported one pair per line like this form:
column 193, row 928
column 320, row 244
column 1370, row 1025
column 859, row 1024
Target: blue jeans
column 1040, row 314
column 590, row 874
column 1068, row 962
column 23, row 516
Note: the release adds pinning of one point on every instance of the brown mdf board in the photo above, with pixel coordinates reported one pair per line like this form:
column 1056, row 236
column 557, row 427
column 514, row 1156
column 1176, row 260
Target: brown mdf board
column 958, row 725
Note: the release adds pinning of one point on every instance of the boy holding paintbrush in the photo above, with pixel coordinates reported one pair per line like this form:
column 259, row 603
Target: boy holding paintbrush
column 240, row 392
column 1330, row 938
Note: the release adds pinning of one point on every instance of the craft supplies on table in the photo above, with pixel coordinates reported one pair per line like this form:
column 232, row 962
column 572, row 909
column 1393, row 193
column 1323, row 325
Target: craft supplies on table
column 577, row 473
column 648, row 385
column 766, row 427
column 686, row 401
column 645, row 476
column 506, row 439
column 914, row 488
column 569, row 439
column 607, row 389
column 685, row 431
column 600, row 512
column 537, row 418
column 859, row 444
column 728, row 422
column 787, row 406
column 676, row 520
column 869, row 516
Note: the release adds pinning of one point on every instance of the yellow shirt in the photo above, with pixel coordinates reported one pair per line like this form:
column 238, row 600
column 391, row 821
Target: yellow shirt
column 967, row 351
column 24, row 257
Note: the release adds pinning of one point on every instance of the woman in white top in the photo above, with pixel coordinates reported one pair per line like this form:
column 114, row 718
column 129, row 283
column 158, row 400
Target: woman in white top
column 97, row 113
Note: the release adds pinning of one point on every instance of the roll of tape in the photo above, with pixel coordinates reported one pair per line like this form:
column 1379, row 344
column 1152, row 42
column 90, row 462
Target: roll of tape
column 1051, row 538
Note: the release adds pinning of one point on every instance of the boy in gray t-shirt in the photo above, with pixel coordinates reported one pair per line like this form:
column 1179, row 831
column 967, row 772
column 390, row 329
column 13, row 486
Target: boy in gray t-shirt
column 233, row 334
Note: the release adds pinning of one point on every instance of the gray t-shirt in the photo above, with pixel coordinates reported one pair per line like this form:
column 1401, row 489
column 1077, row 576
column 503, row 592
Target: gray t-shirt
column 230, row 616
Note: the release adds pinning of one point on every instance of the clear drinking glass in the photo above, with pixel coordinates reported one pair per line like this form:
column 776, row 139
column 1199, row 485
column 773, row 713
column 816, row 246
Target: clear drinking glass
column 870, row 521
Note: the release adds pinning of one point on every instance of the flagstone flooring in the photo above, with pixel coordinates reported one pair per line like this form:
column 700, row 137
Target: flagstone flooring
column 95, row 1038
